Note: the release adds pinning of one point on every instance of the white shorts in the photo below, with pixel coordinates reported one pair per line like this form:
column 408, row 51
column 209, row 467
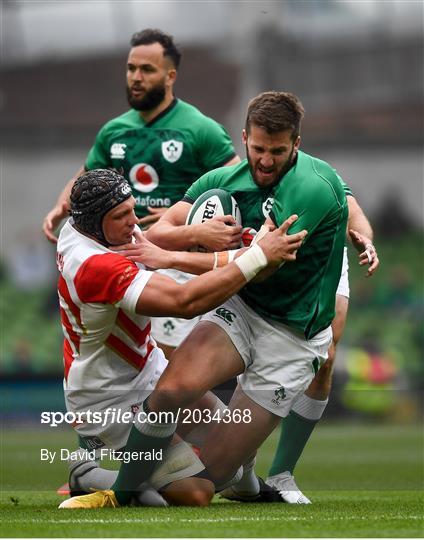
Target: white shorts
column 115, row 431
column 279, row 364
column 343, row 287
column 172, row 331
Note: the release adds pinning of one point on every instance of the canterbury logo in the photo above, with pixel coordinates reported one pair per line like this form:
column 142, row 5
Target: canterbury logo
column 225, row 314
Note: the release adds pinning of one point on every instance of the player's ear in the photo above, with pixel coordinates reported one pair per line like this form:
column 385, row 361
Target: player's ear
column 171, row 76
column 244, row 136
column 297, row 143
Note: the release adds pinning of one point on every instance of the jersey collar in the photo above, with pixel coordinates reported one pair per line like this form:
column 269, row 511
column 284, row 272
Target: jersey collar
column 163, row 113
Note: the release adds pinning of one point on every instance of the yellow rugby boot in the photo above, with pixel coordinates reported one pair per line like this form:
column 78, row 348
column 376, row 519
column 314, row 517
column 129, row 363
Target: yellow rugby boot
column 98, row 499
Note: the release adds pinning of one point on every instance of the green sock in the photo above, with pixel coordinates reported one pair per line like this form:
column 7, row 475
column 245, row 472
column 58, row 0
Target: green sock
column 82, row 443
column 294, row 434
column 136, row 471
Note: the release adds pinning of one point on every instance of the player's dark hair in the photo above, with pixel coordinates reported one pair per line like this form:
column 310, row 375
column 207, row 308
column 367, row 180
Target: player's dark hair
column 153, row 35
column 275, row 112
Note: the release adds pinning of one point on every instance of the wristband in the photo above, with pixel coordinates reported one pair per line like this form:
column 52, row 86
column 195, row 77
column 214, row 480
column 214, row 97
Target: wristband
column 252, row 262
column 215, row 264
column 223, row 258
column 231, row 254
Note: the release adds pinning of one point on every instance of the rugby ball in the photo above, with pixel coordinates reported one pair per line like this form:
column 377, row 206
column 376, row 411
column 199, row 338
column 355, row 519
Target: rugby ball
column 213, row 203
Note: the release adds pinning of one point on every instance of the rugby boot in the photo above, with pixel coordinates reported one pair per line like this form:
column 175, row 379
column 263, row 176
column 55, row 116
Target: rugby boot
column 99, row 499
column 266, row 494
column 287, row 489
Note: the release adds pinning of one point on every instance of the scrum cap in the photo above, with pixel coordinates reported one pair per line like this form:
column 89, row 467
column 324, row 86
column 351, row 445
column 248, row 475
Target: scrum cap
column 93, row 194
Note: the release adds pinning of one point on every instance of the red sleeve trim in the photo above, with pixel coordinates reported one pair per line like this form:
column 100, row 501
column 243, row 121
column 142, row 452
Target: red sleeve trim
column 104, row 278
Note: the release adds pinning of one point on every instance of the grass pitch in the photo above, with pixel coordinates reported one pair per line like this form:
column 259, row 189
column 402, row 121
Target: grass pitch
column 364, row 481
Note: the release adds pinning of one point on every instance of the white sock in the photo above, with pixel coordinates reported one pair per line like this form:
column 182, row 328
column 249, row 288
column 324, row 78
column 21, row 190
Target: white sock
column 309, row 408
column 248, row 483
column 231, row 482
column 95, row 478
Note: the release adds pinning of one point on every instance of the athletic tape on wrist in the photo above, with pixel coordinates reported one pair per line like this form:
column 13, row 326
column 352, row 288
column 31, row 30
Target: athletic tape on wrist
column 252, row 262
column 215, row 264
column 223, row 258
column 232, row 254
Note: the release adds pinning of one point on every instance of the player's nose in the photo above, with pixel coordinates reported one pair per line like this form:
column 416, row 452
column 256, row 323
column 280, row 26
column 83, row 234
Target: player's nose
column 267, row 161
column 137, row 75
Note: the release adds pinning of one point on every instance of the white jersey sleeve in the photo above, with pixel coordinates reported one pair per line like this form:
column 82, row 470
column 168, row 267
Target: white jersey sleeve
column 130, row 298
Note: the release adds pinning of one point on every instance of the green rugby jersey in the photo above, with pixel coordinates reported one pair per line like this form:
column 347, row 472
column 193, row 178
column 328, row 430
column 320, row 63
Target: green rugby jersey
column 301, row 294
column 346, row 188
column 161, row 158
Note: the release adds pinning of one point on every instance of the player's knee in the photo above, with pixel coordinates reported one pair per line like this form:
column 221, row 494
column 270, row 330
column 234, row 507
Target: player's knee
column 201, row 497
column 175, row 392
column 190, row 492
column 191, row 498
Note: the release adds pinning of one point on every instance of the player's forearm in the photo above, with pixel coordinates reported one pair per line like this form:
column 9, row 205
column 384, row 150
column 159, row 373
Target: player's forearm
column 357, row 219
column 199, row 263
column 213, row 288
column 209, row 290
column 173, row 237
column 162, row 296
column 193, row 263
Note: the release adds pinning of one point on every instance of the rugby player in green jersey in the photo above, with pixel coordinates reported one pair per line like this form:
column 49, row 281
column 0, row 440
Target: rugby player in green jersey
column 161, row 146
column 275, row 334
column 255, row 200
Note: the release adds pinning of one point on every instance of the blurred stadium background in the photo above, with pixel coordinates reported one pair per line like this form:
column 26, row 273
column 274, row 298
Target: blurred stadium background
column 358, row 68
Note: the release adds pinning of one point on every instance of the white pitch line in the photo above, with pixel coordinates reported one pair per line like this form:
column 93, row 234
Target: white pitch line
column 209, row 520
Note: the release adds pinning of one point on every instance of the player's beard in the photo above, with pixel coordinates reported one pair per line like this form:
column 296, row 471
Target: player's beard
column 151, row 99
column 279, row 174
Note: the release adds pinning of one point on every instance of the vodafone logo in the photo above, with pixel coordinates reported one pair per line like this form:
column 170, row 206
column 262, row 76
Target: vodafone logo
column 144, row 178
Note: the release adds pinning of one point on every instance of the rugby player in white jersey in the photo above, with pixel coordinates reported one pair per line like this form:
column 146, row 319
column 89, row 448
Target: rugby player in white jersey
column 111, row 361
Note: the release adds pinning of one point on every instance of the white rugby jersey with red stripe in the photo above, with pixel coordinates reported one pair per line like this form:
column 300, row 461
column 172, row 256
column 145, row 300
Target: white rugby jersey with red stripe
column 107, row 345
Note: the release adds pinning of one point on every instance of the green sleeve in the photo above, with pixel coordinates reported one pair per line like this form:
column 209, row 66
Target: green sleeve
column 214, row 147
column 98, row 156
column 208, row 181
column 346, row 188
column 311, row 207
